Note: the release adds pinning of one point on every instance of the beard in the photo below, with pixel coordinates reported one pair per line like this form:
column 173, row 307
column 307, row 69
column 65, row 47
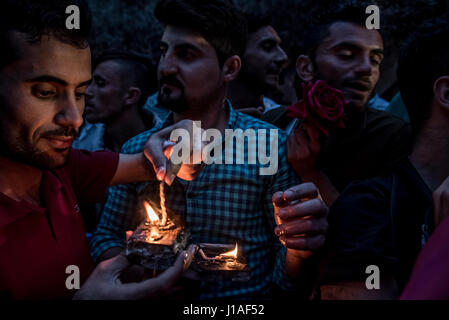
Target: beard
column 18, row 149
column 170, row 100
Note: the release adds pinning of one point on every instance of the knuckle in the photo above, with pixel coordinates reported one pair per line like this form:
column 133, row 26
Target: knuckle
column 309, row 225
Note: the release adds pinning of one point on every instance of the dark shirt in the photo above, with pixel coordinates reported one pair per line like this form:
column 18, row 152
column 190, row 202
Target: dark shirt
column 363, row 149
column 37, row 244
column 430, row 276
column 382, row 221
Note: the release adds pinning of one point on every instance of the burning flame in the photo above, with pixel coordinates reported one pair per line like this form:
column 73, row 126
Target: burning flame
column 151, row 214
column 232, row 253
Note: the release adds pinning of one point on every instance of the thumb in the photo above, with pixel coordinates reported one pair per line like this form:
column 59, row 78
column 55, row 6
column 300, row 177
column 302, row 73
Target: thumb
column 155, row 154
column 159, row 286
column 114, row 265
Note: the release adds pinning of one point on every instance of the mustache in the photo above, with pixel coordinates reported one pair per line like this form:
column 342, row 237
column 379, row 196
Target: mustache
column 170, row 80
column 364, row 81
column 64, row 132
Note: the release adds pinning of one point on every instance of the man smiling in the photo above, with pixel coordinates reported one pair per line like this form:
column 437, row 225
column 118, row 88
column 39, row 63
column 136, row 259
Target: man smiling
column 44, row 72
column 341, row 51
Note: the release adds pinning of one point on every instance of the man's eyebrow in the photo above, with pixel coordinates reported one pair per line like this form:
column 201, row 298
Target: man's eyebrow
column 48, row 78
column 378, row 51
column 346, row 44
column 353, row 45
column 187, row 46
column 85, row 83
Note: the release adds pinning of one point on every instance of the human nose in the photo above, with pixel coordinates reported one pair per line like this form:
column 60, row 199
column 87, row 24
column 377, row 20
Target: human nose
column 364, row 66
column 89, row 91
column 281, row 57
column 167, row 64
column 70, row 112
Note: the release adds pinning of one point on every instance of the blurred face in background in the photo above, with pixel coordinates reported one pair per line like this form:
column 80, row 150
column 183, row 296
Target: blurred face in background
column 264, row 59
column 106, row 94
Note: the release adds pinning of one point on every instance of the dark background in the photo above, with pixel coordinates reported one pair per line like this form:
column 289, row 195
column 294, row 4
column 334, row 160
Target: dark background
column 130, row 24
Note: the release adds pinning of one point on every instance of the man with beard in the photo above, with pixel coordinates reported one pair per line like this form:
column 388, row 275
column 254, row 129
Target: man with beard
column 44, row 72
column 341, row 51
column 385, row 221
column 262, row 64
column 226, row 203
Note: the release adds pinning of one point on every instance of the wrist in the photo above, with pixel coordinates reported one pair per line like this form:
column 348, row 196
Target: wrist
column 312, row 175
column 299, row 254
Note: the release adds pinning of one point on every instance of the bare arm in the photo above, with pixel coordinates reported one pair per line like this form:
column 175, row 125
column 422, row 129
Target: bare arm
column 327, row 189
column 301, row 218
column 303, row 149
column 133, row 168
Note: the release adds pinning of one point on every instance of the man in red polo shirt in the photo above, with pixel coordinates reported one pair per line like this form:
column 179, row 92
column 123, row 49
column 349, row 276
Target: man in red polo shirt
column 44, row 72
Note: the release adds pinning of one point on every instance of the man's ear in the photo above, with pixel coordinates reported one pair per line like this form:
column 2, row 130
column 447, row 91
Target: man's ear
column 304, row 68
column 441, row 91
column 132, row 96
column 231, row 68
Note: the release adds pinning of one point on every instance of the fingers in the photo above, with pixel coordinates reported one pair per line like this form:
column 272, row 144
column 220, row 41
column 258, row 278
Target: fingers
column 114, row 265
column 162, row 285
column 189, row 254
column 302, row 227
column 302, row 191
column 153, row 151
column 304, row 243
column 279, row 200
column 314, row 207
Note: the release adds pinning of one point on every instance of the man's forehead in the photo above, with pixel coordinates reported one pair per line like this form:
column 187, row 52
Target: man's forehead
column 52, row 57
column 264, row 33
column 174, row 35
column 347, row 32
column 109, row 68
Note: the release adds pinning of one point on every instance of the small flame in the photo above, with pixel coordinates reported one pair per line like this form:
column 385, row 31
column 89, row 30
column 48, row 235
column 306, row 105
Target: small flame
column 151, row 214
column 232, row 253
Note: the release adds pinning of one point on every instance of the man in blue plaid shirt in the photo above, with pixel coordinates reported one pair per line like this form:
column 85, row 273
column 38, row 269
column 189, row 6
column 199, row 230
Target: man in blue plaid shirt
column 224, row 203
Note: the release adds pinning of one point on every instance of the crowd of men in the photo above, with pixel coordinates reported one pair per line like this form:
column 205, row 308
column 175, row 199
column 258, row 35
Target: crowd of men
column 372, row 193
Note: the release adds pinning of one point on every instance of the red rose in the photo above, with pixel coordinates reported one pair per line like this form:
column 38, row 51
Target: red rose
column 321, row 105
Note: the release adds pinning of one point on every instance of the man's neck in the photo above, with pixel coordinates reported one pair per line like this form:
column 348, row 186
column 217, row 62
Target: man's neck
column 430, row 156
column 19, row 181
column 244, row 94
column 212, row 116
column 129, row 124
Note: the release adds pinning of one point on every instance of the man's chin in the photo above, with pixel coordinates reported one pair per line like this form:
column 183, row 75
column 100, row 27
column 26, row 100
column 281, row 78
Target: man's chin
column 175, row 105
column 51, row 160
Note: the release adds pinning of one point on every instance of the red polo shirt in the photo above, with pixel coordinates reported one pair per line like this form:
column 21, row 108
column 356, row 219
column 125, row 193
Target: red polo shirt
column 37, row 244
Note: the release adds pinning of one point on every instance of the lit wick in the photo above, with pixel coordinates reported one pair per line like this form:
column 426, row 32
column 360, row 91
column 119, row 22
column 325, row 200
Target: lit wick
column 230, row 255
column 154, row 223
column 163, row 208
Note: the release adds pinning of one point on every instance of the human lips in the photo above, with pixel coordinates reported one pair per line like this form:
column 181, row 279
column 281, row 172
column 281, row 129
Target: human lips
column 60, row 142
column 359, row 85
column 89, row 107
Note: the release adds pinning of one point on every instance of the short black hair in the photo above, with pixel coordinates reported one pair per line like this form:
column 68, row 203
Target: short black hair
column 39, row 18
column 218, row 21
column 136, row 69
column 423, row 59
column 255, row 22
column 321, row 19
